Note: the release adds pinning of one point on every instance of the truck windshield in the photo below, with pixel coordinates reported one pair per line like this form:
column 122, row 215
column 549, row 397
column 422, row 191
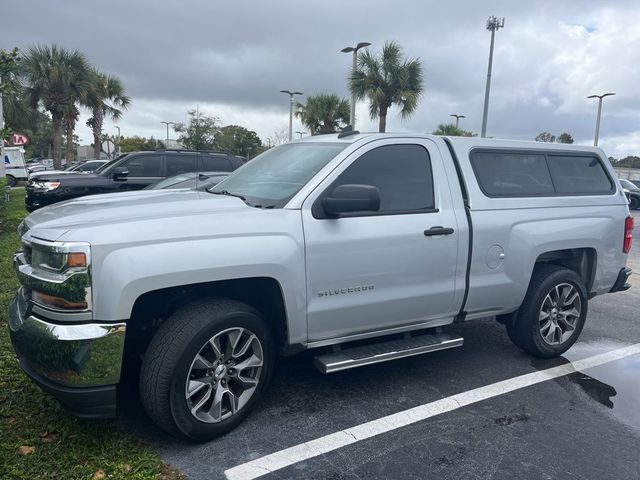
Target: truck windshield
column 271, row 179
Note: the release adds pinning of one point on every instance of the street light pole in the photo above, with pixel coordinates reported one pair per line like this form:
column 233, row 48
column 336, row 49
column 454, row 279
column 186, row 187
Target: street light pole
column 458, row 117
column 117, row 146
column 493, row 24
column 599, row 97
column 167, row 124
column 291, row 95
column 352, row 115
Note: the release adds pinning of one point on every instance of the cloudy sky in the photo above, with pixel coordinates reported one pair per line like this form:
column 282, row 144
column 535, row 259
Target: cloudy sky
column 232, row 59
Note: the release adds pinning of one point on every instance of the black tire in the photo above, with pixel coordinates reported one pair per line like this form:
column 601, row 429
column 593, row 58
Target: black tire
column 11, row 180
column 168, row 360
column 634, row 203
column 525, row 329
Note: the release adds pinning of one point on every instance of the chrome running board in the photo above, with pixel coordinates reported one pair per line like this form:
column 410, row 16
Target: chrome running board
column 385, row 351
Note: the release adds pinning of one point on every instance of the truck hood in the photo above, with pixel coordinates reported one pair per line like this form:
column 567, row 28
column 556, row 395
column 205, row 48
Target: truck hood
column 50, row 223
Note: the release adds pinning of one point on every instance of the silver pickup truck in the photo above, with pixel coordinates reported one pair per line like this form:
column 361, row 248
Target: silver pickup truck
column 363, row 247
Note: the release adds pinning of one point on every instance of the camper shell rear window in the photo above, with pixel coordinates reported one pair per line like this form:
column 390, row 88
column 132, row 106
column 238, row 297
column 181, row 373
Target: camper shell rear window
column 531, row 173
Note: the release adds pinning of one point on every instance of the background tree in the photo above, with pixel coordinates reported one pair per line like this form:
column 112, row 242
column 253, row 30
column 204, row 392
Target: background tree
column 199, row 133
column 55, row 77
column 108, row 99
column 14, row 107
column 323, row 113
column 387, row 79
column 238, row 141
column 137, row 144
column 564, row 138
column 69, row 119
column 545, row 137
column 278, row 137
column 451, row 130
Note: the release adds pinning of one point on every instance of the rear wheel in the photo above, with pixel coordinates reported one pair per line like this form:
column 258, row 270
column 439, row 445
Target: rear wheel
column 11, row 180
column 553, row 313
column 205, row 368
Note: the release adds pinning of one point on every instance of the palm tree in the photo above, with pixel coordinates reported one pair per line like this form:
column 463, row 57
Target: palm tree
column 69, row 119
column 324, row 113
column 108, row 99
column 57, row 78
column 386, row 79
column 451, row 130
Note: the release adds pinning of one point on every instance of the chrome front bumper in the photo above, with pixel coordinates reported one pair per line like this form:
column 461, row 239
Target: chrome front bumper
column 69, row 360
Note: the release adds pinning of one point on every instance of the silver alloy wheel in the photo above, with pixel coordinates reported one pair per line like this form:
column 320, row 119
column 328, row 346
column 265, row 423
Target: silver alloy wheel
column 559, row 314
column 224, row 375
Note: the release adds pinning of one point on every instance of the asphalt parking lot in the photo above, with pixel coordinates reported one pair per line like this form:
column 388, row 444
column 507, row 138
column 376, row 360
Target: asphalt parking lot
column 582, row 425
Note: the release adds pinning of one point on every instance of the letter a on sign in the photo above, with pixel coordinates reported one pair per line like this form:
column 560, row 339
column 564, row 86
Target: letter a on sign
column 19, row 140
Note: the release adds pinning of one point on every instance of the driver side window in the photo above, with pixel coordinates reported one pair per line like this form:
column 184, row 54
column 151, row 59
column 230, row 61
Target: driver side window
column 402, row 174
column 144, row 166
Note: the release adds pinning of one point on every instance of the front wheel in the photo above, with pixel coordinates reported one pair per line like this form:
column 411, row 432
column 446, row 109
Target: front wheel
column 553, row 313
column 11, row 180
column 205, row 368
column 633, row 203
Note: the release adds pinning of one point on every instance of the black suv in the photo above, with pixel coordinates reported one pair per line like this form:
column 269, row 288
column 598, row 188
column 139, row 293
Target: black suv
column 131, row 171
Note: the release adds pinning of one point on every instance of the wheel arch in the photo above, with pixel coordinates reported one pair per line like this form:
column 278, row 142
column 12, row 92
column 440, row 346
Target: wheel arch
column 582, row 261
column 153, row 307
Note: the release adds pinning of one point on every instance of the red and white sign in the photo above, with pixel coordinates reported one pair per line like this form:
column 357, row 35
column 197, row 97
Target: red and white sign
column 19, row 140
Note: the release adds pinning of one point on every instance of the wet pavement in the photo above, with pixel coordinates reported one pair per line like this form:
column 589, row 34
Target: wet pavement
column 585, row 425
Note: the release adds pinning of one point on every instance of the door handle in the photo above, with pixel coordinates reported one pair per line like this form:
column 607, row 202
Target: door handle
column 438, row 231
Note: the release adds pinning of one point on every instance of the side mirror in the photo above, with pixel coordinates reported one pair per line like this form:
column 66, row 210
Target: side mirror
column 351, row 198
column 120, row 173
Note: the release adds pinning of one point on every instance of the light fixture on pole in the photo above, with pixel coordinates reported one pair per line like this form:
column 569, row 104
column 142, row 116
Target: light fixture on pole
column 493, row 24
column 300, row 133
column 599, row 97
column 458, row 117
column 167, row 124
column 291, row 95
column 352, row 115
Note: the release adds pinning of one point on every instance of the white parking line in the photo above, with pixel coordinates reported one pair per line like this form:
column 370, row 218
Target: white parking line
column 304, row 451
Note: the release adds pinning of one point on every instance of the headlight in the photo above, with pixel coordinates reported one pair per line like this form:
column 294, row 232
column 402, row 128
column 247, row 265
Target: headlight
column 57, row 261
column 46, row 186
column 57, row 274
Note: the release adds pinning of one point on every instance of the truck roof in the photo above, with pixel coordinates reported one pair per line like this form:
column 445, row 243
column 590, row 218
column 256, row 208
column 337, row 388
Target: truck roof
column 460, row 143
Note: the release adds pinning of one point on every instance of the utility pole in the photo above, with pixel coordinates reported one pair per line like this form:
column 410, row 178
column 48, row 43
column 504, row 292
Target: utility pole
column 291, row 95
column 352, row 116
column 599, row 97
column 493, row 24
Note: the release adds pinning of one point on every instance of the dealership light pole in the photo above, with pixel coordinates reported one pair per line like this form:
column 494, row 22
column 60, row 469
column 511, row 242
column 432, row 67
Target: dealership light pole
column 167, row 124
column 352, row 116
column 118, row 142
column 291, row 95
column 458, row 117
column 493, row 24
column 599, row 97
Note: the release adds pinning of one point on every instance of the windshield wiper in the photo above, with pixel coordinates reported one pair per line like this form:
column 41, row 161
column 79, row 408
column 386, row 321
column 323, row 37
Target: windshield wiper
column 229, row 194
